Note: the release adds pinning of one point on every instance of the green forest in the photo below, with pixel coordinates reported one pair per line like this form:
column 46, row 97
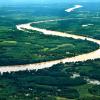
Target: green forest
column 64, row 81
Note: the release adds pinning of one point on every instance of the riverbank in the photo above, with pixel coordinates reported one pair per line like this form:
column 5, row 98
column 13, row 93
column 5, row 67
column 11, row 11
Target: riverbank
column 83, row 57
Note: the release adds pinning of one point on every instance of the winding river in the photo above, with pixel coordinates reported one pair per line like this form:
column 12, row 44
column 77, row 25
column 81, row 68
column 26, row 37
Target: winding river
column 83, row 57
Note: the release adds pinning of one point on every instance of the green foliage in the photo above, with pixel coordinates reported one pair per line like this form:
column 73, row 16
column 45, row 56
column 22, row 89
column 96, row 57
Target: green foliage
column 90, row 98
column 95, row 90
column 55, row 83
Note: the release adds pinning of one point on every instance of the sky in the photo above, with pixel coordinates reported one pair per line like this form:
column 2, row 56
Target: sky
column 45, row 1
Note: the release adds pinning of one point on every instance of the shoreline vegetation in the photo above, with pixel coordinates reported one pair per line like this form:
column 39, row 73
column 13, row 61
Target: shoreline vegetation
column 44, row 40
column 83, row 57
column 53, row 82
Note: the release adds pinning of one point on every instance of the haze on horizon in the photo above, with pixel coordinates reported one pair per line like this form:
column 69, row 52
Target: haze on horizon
column 46, row 1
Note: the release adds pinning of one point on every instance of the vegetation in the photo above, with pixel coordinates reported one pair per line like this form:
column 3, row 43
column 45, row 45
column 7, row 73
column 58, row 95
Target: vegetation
column 50, row 83
column 79, row 26
column 35, row 47
column 95, row 90
column 57, row 82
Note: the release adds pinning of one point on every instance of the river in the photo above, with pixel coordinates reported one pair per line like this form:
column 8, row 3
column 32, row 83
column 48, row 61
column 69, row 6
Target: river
column 83, row 57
